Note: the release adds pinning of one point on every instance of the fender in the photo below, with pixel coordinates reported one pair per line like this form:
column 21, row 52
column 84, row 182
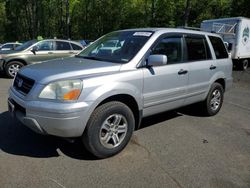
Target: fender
column 216, row 76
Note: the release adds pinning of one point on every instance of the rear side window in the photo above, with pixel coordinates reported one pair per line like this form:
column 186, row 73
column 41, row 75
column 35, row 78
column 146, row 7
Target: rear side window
column 171, row 47
column 8, row 46
column 75, row 47
column 62, row 45
column 197, row 48
column 219, row 47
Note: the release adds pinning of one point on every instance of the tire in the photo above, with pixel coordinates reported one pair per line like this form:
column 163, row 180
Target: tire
column 109, row 129
column 214, row 99
column 12, row 68
column 244, row 64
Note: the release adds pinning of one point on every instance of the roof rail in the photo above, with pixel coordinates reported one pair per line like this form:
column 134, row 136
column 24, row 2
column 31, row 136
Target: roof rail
column 190, row 28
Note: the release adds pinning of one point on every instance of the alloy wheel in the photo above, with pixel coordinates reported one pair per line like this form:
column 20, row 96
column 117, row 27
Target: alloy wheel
column 113, row 131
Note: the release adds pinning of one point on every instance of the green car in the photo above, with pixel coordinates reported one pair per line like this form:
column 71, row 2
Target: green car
column 36, row 52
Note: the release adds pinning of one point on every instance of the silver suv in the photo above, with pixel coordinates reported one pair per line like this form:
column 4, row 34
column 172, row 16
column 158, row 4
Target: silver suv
column 102, row 94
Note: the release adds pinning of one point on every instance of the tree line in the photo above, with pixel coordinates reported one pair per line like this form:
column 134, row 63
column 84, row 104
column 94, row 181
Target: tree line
column 22, row 20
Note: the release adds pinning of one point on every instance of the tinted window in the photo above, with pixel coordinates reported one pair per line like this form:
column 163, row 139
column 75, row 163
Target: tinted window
column 171, row 47
column 25, row 45
column 219, row 47
column 75, row 47
column 45, row 46
column 62, row 45
column 197, row 48
column 8, row 46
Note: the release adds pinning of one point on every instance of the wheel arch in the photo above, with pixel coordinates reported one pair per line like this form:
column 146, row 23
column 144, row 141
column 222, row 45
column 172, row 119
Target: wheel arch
column 220, row 78
column 15, row 59
column 222, row 82
column 128, row 100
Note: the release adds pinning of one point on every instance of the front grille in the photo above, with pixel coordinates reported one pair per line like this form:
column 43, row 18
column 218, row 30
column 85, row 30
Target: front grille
column 23, row 84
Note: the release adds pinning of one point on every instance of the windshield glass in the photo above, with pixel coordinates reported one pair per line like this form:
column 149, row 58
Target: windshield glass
column 25, row 45
column 118, row 47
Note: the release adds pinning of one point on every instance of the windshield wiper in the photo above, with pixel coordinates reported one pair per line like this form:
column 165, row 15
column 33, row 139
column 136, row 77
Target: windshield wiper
column 99, row 59
column 90, row 57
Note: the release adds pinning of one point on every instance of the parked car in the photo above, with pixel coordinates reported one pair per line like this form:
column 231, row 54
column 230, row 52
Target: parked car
column 22, row 47
column 9, row 46
column 31, row 52
column 236, row 33
column 101, row 96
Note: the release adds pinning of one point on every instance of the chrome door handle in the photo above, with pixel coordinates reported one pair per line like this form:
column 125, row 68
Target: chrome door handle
column 182, row 72
column 212, row 67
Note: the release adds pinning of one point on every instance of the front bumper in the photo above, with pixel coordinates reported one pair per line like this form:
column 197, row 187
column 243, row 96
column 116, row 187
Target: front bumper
column 52, row 118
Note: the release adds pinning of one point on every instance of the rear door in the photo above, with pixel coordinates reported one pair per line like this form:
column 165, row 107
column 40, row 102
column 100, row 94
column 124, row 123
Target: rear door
column 165, row 86
column 63, row 49
column 201, row 67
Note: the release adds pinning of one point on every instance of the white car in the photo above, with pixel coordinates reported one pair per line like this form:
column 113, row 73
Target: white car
column 9, row 46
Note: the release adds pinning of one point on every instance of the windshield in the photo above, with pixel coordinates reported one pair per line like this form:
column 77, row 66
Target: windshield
column 25, row 45
column 118, row 47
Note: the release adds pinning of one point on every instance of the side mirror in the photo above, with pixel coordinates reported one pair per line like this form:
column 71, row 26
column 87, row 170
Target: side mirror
column 34, row 49
column 157, row 60
column 226, row 44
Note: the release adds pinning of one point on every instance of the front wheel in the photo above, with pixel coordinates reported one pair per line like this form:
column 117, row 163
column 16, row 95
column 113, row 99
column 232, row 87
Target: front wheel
column 109, row 129
column 214, row 99
column 12, row 68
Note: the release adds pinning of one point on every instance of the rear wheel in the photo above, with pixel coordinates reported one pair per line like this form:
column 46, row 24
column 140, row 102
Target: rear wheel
column 214, row 99
column 244, row 64
column 12, row 68
column 109, row 129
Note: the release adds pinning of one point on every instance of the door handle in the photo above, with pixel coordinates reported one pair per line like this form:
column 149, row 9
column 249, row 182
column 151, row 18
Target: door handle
column 50, row 52
column 182, row 72
column 212, row 67
column 71, row 52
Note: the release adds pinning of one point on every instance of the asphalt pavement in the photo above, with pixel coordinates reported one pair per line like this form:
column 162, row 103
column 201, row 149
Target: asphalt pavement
column 180, row 148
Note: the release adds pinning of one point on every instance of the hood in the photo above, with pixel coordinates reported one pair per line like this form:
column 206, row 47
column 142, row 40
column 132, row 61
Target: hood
column 67, row 68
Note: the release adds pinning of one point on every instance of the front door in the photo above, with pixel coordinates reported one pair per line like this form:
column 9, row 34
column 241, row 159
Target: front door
column 165, row 86
column 44, row 51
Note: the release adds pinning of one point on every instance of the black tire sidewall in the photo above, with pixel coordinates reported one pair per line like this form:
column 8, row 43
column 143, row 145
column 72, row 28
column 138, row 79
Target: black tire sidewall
column 215, row 86
column 243, row 63
column 91, row 134
column 9, row 64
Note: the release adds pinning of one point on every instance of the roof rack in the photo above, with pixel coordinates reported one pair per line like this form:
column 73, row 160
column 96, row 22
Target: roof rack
column 190, row 28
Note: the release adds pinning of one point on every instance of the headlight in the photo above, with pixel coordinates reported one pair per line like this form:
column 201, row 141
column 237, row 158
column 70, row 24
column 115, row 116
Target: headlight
column 62, row 90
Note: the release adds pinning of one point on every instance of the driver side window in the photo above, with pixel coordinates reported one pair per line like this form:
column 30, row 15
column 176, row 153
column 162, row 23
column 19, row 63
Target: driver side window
column 45, row 46
column 171, row 47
